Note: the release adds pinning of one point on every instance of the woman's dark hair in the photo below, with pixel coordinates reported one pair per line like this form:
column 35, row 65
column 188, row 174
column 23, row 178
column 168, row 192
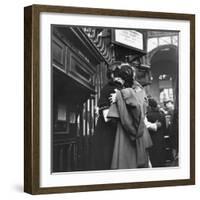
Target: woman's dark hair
column 126, row 73
column 122, row 70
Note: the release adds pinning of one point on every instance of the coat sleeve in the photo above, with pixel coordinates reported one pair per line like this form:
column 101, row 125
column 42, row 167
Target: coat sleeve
column 125, row 117
column 113, row 111
column 129, row 97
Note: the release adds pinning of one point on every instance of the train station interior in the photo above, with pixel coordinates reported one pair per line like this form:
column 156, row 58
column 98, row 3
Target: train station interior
column 80, row 57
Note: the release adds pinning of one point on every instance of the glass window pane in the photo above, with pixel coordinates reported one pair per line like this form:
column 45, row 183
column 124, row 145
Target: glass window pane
column 152, row 43
column 164, row 40
column 175, row 40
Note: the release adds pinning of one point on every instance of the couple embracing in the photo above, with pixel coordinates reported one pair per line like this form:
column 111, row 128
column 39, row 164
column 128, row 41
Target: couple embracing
column 121, row 136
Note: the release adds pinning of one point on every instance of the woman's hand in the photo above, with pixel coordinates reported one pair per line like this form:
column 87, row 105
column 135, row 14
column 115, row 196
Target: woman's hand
column 112, row 97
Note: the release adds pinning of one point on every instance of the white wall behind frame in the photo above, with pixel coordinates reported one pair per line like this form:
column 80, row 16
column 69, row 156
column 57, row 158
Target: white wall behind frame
column 11, row 101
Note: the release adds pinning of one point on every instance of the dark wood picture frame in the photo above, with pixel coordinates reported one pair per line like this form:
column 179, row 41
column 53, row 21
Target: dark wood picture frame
column 32, row 93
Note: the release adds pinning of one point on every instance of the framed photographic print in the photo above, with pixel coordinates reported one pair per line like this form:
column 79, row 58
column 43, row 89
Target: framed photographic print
column 109, row 99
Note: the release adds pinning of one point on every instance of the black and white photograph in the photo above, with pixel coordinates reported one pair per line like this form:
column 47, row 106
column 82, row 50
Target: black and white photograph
column 109, row 99
column 114, row 98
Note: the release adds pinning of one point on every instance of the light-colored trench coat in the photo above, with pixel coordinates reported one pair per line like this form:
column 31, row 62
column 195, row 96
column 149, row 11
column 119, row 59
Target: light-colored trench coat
column 132, row 137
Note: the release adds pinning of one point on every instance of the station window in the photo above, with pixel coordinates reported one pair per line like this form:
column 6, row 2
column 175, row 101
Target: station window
column 152, row 43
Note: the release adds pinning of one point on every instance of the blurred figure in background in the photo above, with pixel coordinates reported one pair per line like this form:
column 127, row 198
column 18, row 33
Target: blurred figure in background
column 156, row 152
column 169, row 107
column 172, row 129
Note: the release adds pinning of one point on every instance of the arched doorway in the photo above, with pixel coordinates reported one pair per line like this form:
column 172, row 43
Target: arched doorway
column 164, row 69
